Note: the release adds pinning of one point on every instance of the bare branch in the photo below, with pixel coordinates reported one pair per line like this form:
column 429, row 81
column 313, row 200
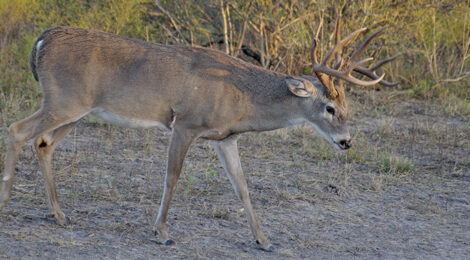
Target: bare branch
column 459, row 78
column 224, row 17
column 172, row 20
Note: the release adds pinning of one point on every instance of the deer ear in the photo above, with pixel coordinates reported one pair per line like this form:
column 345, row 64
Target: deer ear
column 299, row 88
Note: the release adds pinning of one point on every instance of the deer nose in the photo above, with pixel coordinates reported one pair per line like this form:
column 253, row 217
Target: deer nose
column 345, row 144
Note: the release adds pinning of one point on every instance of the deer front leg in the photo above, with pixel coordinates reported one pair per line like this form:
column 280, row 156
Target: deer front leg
column 180, row 141
column 228, row 155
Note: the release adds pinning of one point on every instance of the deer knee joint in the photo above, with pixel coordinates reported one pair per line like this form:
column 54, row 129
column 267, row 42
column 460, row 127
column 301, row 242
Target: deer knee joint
column 42, row 143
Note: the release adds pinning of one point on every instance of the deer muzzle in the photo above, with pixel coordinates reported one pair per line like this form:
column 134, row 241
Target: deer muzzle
column 344, row 144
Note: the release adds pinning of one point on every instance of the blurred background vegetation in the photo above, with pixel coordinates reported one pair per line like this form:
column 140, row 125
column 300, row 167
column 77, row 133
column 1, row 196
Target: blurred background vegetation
column 431, row 36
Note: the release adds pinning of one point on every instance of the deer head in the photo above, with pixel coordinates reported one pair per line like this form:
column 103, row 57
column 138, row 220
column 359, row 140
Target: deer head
column 325, row 92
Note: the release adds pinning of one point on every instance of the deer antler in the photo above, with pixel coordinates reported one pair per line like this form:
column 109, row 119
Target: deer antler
column 324, row 79
column 325, row 73
column 370, row 72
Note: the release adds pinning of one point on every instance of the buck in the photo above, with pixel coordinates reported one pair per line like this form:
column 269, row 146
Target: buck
column 193, row 92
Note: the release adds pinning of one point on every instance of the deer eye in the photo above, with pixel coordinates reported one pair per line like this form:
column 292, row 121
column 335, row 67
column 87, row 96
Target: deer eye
column 330, row 110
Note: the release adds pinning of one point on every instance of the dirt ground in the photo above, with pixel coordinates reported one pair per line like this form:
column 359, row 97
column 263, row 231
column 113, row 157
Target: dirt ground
column 403, row 191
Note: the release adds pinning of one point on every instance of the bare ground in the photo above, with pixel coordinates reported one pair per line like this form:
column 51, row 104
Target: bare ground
column 403, row 191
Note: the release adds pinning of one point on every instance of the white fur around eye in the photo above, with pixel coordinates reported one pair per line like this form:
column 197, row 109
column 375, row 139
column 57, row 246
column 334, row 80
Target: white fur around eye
column 330, row 116
column 325, row 113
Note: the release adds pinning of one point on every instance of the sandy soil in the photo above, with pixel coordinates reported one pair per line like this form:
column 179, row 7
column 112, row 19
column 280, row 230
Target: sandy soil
column 402, row 192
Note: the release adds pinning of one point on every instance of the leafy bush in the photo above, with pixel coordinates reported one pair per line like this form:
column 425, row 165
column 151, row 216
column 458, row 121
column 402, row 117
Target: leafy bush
column 431, row 36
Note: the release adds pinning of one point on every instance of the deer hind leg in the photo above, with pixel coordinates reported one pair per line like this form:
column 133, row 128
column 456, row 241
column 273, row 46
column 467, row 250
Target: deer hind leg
column 45, row 145
column 179, row 145
column 227, row 151
column 20, row 132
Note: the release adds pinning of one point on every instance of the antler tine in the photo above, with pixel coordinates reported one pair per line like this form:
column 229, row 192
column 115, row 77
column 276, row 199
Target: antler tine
column 338, row 29
column 340, row 45
column 374, row 76
column 381, row 63
column 338, row 59
column 365, row 83
column 355, row 65
column 339, row 62
column 346, row 75
column 359, row 51
column 325, row 73
column 313, row 47
column 370, row 72
column 324, row 79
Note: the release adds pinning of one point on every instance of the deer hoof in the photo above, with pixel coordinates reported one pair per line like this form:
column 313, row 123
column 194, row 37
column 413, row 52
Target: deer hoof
column 61, row 220
column 169, row 242
column 162, row 240
column 266, row 248
column 66, row 222
column 270, row 248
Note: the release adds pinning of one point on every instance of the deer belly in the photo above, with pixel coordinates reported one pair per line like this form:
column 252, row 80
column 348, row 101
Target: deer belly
column 128, row 122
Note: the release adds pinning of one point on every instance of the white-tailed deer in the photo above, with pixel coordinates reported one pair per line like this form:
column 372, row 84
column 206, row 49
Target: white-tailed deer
column 193, row 92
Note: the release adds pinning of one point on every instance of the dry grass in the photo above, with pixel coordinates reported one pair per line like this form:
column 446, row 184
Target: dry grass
column 401, row 191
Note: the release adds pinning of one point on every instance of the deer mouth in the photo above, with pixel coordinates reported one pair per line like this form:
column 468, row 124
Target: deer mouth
column 337, row 146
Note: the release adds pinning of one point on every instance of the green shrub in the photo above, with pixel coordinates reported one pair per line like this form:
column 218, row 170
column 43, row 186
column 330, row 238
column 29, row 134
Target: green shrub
column 431, row 36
